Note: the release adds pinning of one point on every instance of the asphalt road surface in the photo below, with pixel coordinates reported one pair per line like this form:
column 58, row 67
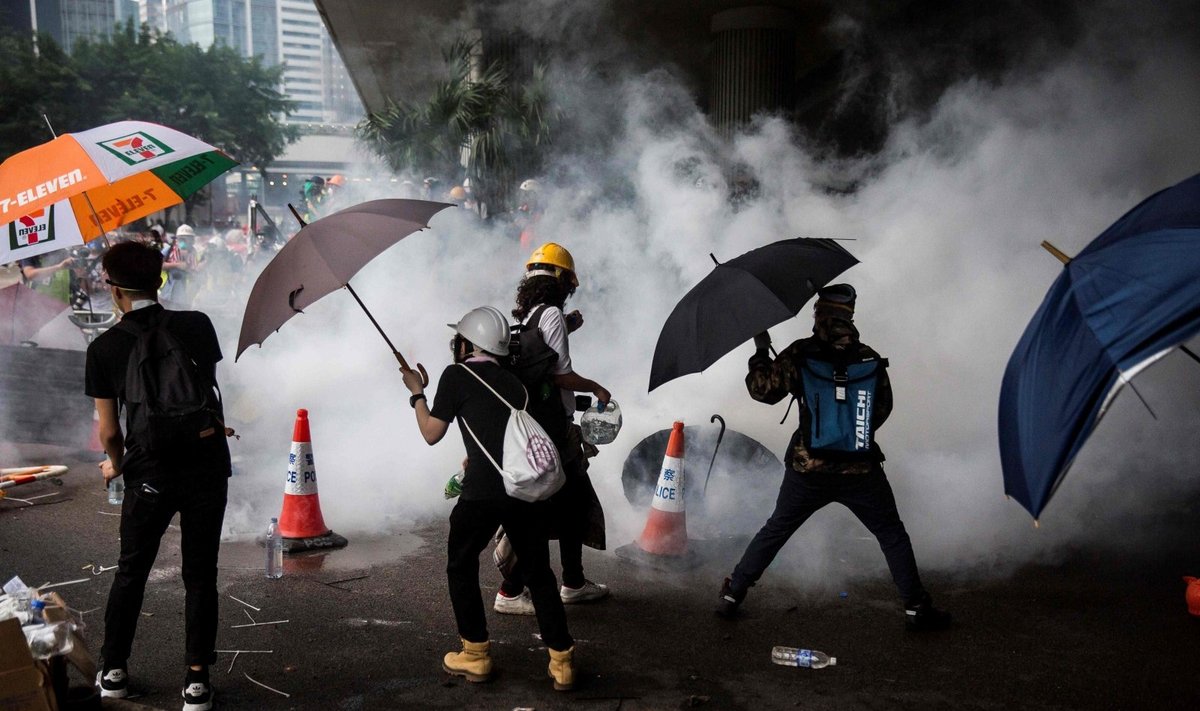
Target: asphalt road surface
column 367, row 627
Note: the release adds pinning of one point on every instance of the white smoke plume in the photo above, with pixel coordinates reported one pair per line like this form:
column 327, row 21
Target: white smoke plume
column 947, row 220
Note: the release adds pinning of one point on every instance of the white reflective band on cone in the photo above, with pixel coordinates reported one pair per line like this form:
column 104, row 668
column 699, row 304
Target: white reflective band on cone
column 302, row 474
column 668, row 495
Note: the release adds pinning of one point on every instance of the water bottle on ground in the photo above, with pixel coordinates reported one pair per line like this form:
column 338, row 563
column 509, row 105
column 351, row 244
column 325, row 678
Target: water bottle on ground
column 600, row 426
column 793, row 657
column 116, row 491
column 274, row 550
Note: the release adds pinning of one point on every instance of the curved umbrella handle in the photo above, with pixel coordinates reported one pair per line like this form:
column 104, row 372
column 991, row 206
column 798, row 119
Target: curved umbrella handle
column 420, row 368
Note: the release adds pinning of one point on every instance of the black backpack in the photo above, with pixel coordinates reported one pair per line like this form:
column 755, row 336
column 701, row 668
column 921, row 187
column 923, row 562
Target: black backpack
column 172, row 402
column 532, row 360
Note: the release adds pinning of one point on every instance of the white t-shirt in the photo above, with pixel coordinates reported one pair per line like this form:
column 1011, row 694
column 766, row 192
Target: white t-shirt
column 554, row 331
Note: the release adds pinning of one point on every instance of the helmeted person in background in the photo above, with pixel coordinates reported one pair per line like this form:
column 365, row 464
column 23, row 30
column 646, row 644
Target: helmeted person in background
column 429, row 188
column 481, row 337
column 456, row 195
column 845, row 395
column 335, row 194
column 548, row 282
column 169, row 465
column 529, row 211
column 177, row 263
column 312, row 194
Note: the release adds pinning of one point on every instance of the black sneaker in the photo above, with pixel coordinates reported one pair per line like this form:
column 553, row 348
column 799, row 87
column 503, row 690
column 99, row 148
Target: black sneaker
column 728, row 601
column 197, row 696
column 922, row 616
column 113, row 683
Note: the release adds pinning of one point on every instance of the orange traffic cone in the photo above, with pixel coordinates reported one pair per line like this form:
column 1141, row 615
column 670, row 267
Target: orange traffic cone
column 300, row 523
column 1192, row 596
column 664, row 540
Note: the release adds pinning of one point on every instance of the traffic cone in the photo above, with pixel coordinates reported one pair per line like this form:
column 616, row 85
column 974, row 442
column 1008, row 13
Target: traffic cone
column 300, row 523
column 664, row 540
column 1192, row 596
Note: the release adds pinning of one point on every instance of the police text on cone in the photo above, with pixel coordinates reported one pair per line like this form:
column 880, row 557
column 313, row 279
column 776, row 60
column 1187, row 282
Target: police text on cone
column 666, row 526
column 300, row 522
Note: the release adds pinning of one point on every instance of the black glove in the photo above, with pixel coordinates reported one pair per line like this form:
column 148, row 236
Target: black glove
column 762, row 341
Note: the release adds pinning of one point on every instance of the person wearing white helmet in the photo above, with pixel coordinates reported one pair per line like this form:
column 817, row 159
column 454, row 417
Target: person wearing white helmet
column 529, row 212
column 481, row 338
column 176, row 265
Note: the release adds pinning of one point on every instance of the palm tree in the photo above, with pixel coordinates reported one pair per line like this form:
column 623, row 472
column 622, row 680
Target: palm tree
column 476, row 121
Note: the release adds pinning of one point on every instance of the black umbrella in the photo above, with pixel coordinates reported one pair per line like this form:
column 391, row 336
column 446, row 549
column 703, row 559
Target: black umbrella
column 743, row 297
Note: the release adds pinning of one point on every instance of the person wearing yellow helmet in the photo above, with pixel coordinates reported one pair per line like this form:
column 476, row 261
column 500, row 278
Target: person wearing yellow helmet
column 549, row 281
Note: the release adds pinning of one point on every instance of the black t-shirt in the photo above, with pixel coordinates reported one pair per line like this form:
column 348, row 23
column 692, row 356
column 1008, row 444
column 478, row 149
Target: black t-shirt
column 104, row 378
column 460, row 395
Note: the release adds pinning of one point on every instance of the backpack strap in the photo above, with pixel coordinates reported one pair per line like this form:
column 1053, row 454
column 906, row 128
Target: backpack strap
column 535, row 317
column 493, row 391
column 481, row 447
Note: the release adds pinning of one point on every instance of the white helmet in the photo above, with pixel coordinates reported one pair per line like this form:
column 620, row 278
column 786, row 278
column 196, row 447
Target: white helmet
column 487, row 328
column 530, row 185
column 185, row 231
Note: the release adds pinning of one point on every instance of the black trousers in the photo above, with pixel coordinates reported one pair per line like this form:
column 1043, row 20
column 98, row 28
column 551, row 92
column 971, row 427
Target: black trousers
column 472, row 525
column 200, row 502
column 868, row 496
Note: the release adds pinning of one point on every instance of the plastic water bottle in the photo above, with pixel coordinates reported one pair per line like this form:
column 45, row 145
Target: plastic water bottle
column 600, row 426
column 36, row 608
column 116, row 491
column 274, row 550
column 811, row 658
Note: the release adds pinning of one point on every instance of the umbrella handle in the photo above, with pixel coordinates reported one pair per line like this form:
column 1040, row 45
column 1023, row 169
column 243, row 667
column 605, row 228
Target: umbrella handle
column 420, row 368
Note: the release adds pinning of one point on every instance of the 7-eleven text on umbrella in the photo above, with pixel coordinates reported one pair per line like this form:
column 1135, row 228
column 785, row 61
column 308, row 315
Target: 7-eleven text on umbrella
column 42, row 189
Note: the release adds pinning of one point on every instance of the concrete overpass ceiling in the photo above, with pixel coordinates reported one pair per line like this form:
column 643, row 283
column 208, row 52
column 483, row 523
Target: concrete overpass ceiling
column 392, row 48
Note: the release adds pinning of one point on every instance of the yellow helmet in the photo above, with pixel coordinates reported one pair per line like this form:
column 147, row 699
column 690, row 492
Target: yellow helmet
column 552, row 259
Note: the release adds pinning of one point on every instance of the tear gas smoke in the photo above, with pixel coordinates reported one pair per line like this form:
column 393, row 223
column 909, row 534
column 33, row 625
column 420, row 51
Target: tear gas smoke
column 947, row 220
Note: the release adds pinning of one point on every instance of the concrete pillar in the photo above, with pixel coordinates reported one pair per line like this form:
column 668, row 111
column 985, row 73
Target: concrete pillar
column 753, row 64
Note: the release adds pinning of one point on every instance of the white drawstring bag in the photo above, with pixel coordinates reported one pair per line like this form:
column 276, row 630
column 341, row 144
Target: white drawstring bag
column 532, row 469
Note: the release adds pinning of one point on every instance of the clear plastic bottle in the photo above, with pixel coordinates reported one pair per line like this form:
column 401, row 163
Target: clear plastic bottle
column 793, row 657
column 116, row 491
column 36, row 608
column 274, row 550
column 600, row 426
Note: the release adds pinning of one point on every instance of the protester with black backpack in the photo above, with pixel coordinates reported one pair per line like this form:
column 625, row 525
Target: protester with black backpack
column 160, row 366
column 552, row 383
column 844, row 394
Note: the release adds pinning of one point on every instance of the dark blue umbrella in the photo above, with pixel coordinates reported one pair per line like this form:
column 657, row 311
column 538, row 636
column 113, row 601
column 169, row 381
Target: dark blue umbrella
column 1126, row 300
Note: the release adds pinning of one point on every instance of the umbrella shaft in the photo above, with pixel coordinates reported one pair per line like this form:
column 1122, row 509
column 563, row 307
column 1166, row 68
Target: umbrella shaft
column 375, row 323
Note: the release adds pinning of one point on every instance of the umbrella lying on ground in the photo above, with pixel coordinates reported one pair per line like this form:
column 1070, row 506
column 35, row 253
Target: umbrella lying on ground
column 23, row 312
column 80, row 185
column 1128, row 299
column 323, row 256
column 743, row 297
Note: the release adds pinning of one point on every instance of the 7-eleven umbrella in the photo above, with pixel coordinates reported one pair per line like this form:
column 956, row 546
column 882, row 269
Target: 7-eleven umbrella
column 80, row 185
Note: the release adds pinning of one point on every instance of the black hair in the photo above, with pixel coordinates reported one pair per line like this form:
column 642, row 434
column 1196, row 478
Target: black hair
column 534, row 291
column 134, row 267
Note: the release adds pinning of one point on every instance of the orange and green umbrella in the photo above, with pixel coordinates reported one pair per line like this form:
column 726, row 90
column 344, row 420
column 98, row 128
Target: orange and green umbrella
column 81, row 185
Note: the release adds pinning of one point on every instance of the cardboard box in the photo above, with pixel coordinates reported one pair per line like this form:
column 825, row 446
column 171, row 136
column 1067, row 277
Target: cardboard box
column 24, row 684
column 79, row 656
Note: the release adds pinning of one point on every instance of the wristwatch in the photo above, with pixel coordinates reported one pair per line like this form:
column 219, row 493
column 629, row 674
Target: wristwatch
column 412, row 401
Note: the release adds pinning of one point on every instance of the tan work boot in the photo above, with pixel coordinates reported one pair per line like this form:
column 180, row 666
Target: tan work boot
column 472, row 662
column 562, row 669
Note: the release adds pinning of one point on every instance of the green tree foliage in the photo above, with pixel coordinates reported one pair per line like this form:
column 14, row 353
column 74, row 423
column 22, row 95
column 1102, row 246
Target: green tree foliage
column 34, row 81
column 483, row 115
column 213, row 94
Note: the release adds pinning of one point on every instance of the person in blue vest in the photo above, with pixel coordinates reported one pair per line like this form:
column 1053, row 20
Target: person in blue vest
column 844, row 395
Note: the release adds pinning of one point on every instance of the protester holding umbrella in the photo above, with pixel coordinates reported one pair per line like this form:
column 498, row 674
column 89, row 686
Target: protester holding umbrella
column 548, row 282
column 471, row 389
column 49, row 274
column 844, row 395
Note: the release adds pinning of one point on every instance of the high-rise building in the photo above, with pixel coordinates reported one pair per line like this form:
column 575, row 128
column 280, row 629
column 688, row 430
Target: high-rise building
column 69, row 21
column 287, row 32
